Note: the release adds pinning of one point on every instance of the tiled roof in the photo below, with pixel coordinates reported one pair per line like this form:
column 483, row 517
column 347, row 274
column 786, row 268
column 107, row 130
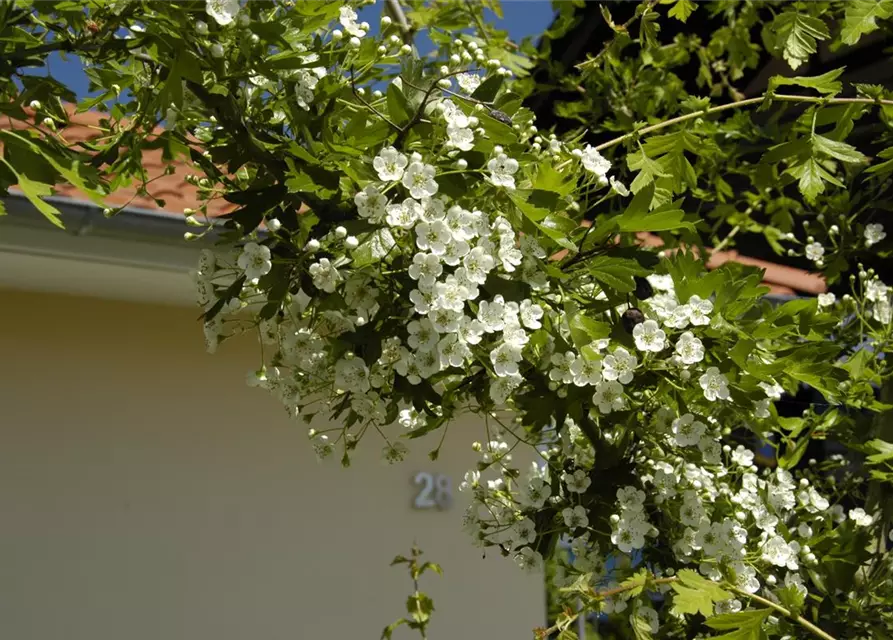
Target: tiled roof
column 173, row 189
column 179, row 195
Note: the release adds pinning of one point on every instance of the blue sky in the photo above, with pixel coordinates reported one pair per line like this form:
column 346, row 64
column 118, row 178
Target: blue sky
column 522, row 18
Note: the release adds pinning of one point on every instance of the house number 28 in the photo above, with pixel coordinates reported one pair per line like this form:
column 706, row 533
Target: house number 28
column 435, row 491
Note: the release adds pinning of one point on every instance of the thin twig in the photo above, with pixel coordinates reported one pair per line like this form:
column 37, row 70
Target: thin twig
column 734, row 105
column 624, row 28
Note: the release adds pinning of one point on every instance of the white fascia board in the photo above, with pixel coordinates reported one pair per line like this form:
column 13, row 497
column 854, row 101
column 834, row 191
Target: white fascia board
column 136, row 256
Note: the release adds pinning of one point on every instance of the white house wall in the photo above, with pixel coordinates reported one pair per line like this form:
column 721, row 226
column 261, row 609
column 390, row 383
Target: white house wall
column 146, row 493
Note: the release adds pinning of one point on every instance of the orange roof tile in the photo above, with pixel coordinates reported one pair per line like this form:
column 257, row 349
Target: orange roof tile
column 173, row 188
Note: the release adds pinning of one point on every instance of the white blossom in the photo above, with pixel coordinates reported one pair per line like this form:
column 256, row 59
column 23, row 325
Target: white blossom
column 742, row 457
column 826, row 299
column 649, row 336
column 422, row 335
column 575, row 517
column 861, row 518
column 501, row 388
column 255, row 260
column 468, row 82
column 351, row 374
column 419, row 179
column 223, row 12
column 714, row 384
column 433, row 236
column 689, row 348
column 699, row 311
column 348, row 19
column 608, row 396
column 594, row 162
column 425, row 268
column 325, row 275
column 505, row 359
column 586, row 371
column 371, row 204
column 460, row 138
column 687, row 430
column 389, row 164
column 404, row 215
column 874, row 233
column 531, row 313
column 502, row 171
column 875, row 290
column 815, row 251
column 619, row 366
column 576, row 482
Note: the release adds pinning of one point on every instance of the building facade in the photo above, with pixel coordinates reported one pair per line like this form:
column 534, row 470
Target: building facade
column 146, row 492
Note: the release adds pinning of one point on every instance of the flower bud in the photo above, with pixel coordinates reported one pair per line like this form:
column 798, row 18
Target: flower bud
column 444, row 83
column 462, row 163
column 364, row 26
column 382, row 50
column 386, row 21
column 455, row 59
column 377, row 94
column 337, row 34
column 244, row 19
column 395, row 40
column 201, row 28
column 312, row 245
column 35, row 104
column 354, row 42
column 274, row 225
column 49, row 123
column 217, row 50
column 340, row 232
column 405, row 50
column 351, row 242
column 108, row 213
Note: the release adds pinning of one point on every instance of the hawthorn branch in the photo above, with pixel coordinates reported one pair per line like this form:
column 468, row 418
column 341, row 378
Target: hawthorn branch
column 748, row 102
column 396, row 11
column 803, row 622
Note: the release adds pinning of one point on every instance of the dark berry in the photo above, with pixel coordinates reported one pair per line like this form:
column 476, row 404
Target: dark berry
column 644, row 290
column 630, row 318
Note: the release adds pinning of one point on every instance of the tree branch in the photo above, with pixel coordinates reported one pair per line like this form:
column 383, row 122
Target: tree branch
column 803, row 622
column 396, row 11
column 735, row 105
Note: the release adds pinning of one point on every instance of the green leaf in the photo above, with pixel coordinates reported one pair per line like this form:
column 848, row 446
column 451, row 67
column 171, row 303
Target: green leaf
column 744, row 625
column 812, row 177
column 616, row 273
column 861, row 18
column 488, row 89
column 398, row 107
column 838, row 150
column 794, row 35
column 826, row 83
column 658, row 220
column 585, row 330
column 648, row 170
column 696, row 594
column 682, row 9
column 34, row 191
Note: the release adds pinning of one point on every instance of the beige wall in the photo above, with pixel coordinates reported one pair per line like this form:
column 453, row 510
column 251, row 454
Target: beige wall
column 147, row 494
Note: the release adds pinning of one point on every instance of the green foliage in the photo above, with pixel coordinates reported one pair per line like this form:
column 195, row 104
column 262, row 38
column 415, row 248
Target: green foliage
column 861, row 18
column 744, row 625
column 695, row 594
column 627, row 361
column 794, row 35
